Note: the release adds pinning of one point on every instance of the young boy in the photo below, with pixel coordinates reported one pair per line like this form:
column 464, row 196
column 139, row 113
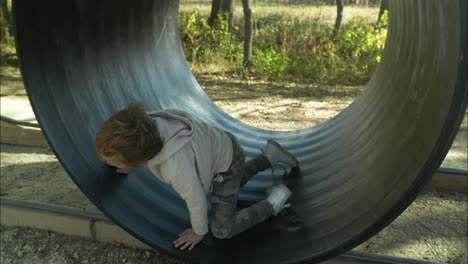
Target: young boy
column 194, row 158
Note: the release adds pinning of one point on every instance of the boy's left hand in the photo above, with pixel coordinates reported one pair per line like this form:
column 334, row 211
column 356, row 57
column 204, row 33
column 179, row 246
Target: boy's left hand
column 189, row 239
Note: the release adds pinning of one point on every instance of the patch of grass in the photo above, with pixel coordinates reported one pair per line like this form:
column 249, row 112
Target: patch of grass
column 286, row 45
column 326, row 13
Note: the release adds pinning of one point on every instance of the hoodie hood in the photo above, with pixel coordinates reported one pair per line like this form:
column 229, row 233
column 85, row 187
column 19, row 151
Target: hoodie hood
column 175, row 129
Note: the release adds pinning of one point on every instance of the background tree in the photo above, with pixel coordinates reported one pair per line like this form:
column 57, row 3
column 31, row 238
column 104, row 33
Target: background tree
column 6, row 17
column 383, row 7
column 339, row 16
column 221, row 8
column 248, row 34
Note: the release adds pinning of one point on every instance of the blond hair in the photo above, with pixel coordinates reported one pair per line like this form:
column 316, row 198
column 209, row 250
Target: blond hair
column 130, row 135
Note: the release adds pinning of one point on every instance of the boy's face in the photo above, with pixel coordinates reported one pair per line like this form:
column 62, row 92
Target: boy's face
column 122, row 168
column 114, row 162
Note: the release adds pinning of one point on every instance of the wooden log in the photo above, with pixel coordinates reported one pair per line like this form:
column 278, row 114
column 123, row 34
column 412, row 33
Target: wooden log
column 450, row 180
column 21, row 135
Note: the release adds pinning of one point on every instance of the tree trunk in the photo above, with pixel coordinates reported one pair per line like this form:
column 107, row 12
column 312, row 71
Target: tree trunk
column 6, row 16
column 383, row 7
column 223, row 8
column 226, row 10
column 339, row 16
column 215, row 6
column 248, row 34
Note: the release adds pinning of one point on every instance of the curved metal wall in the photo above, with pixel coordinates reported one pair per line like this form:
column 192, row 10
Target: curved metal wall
column 83, row 60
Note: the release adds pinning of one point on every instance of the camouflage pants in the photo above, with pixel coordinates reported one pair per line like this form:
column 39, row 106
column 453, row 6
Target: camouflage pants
column 226, row 220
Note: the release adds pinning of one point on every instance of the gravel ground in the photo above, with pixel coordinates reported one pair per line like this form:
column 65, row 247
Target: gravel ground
column 433, row 228
column 26, row 245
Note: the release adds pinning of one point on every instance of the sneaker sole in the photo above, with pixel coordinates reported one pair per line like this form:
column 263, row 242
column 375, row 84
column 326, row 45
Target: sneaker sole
column 284, row 151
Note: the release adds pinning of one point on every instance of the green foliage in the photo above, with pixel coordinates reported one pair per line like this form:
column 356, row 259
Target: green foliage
column 288, row 48
column 204, row 44
column 6, row 39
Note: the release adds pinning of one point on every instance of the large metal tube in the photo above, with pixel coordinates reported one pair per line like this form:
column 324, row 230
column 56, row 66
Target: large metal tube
column 83, row 60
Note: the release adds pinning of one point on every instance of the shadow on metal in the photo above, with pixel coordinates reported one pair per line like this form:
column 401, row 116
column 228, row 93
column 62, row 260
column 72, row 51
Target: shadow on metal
column 83, row 60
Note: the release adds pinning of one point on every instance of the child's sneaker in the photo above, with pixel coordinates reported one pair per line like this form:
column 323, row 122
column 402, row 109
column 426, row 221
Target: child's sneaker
column 277, row 197
column 276, row 154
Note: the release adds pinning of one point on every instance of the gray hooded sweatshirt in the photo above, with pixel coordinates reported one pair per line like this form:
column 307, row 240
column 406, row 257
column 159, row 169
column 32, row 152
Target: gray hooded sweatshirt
column 193, row 153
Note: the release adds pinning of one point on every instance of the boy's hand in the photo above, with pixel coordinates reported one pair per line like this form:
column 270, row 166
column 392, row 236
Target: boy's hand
column 188, row 239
